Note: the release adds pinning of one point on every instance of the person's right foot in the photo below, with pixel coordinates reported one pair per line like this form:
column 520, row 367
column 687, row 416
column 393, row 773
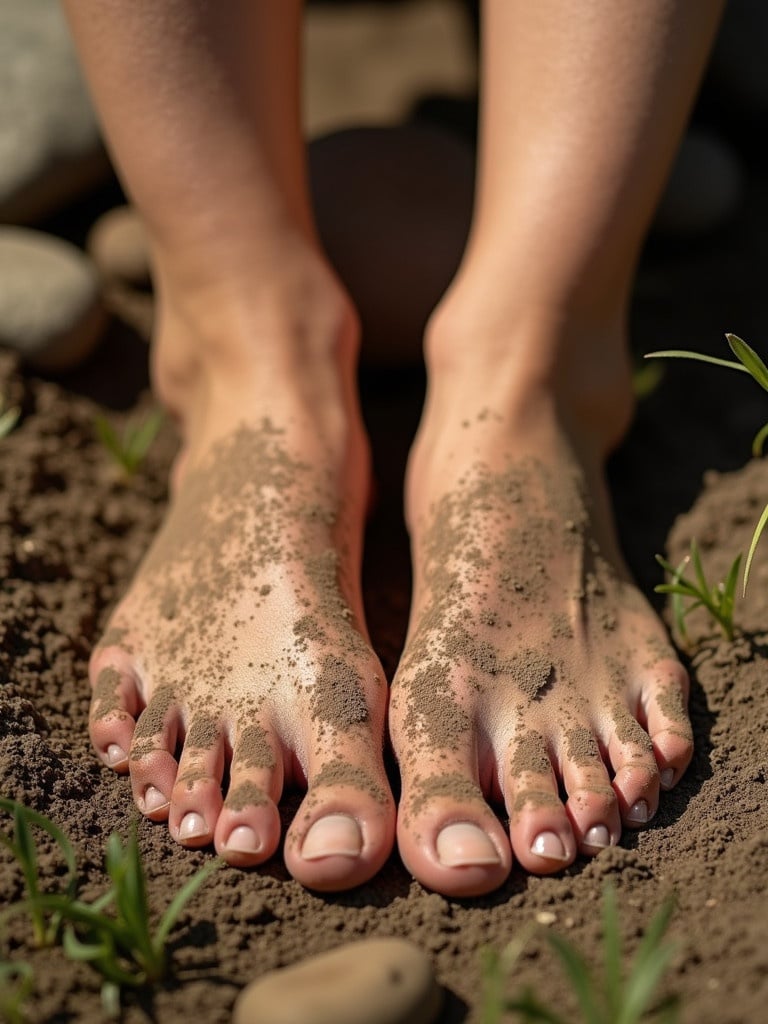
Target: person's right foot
column 239, row 657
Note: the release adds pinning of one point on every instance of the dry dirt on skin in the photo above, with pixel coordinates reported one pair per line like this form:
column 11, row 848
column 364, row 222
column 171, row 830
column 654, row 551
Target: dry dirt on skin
column 71, row 533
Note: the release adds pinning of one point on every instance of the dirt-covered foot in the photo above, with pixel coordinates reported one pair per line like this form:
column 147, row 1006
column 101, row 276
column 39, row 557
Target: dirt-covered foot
column 535, row 675
column 238, row 662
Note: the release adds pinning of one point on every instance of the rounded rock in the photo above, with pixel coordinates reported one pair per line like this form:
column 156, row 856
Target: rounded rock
column 374, row 981
column 119, row 247
column 50, row 142
column 51, row 312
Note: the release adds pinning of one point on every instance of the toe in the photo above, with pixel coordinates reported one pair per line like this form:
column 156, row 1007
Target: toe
column 114, row 704
column 636, row 780
column 196, row 795
column 449, row 838
column 151, row 758
column 248, row 829
column 344, row 830
column 592, row 804
column 664, row 713
column 539, row 826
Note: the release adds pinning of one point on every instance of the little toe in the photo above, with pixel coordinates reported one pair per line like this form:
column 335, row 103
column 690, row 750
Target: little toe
column 196, row 798
column 114, row 705
column 539, row 826
column 248, row 829
column 664, row 712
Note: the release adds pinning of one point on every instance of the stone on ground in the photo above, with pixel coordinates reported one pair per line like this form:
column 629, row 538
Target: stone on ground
column 50, row 144
column 51, row 312
column 119, row 247
column 374, row 981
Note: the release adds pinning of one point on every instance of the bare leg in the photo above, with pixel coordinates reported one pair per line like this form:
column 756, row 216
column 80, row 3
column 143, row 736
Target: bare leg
column 532, row 664
column 242, row 639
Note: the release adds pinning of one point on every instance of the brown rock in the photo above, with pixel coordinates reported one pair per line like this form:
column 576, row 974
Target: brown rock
column 375, row 981
column 119, row 247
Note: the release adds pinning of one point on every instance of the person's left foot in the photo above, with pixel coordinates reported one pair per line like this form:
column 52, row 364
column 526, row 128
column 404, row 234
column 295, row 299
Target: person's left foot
column 532, row 665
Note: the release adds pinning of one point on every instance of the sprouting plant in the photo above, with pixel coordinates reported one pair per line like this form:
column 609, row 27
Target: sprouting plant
column 9, row 417
column 16, row 984
column 22, row 845
column 688, row 595
column 129, row 448
column 113, row 933
column 608, row 996
column 748, row 362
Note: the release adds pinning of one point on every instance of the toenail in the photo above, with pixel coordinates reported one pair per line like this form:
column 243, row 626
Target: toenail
column 598, row 836
column 192, row 826
column 115, row 754
column 667, row 778
column 242, row 840
column 332, row 836
column 153, row 800
column 464, row 845
column 638, row 812
column 549, row 844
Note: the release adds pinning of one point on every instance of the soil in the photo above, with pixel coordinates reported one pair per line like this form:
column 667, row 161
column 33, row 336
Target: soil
column 72, row 531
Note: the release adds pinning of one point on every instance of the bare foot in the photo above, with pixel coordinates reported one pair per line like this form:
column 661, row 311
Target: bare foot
column 239, row 660
column 533, row 668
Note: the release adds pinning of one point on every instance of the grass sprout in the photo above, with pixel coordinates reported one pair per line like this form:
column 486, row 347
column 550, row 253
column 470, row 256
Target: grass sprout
column 9, row 417
column 748, row 361
column 114, row 933
column 129, row 448
column 689, row 594
column 609, row 995
column 16, row 984
column 22, row 845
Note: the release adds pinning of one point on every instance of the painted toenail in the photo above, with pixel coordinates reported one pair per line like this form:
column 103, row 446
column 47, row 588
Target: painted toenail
column 192, row 826
column 638, row 812
column 549, row 844
column 333, row 836
column 667, row 778
column 242, row 840
column 598, row 836
column 463, row 845
column 115, row 754
column 153, row 800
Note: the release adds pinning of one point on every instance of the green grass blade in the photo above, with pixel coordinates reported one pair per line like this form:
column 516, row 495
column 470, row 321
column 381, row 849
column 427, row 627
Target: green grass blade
column 750, row 359
column 759, row 440
column 648, row 966
column 698, row 569
column 682, row 588
column 682, row 354
column 8, row 420
column 110, row 1000
column 109, row 437
column 753, row 544
column 139, row 439
column 611, row 950
column 176, row 905
column 77, row 950
column 580, row 976
column 53, row 830
column 532, row 1011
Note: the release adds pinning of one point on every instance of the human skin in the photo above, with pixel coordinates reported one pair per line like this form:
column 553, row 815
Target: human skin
column 531, row 664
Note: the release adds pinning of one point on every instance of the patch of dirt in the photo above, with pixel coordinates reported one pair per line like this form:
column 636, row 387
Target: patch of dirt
column 71, row 533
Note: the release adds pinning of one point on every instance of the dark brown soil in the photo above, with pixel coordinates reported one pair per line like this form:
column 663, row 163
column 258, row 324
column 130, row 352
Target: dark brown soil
column 71, row 533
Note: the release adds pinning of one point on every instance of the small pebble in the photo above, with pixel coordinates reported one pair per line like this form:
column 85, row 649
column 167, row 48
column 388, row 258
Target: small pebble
column 546, row 917
column 118, row 246
column 374, row 981
column 51, row 313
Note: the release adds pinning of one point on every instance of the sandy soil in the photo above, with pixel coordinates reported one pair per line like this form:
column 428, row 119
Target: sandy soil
column 71, row 533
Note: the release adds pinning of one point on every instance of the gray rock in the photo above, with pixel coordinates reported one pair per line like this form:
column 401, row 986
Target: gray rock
column 50, row 146
column 50, row 307
column 119, row 247
column 374, row 981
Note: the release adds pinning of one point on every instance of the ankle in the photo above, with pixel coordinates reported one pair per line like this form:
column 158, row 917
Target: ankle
column 531, row 361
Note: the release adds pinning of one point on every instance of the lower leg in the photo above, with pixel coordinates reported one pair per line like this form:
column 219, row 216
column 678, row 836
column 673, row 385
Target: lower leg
column 242, row 638
column 546, row 667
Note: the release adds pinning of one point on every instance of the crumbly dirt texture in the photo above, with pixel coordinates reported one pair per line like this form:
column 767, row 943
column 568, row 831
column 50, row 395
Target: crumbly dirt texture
column 72, row 532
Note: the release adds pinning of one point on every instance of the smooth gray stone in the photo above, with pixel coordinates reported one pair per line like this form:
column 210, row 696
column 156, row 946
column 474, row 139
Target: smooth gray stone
column 374, row 981
column 50, row 307
column 50, row 144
